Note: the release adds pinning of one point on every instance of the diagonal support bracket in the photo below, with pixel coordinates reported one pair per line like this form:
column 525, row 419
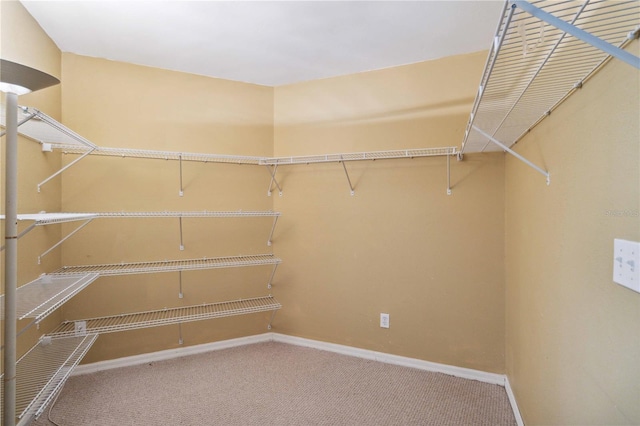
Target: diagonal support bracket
column 23, row 233
column 273, row 180
column 65, row 168
column 273, row 272
column 448, row 174
column 515, row 154
column 273, row 228
column 64, row 239
column 344, row 166
column 273, row 314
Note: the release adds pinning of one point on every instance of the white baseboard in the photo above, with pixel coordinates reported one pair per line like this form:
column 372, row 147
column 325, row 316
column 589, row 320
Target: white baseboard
column 466, row 373
column 169, row 354
column 513, row 402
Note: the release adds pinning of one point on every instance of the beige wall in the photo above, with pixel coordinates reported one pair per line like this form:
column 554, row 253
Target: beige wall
column 573, row 335
column 23, row 41
column 401, row 245
column 121, row 105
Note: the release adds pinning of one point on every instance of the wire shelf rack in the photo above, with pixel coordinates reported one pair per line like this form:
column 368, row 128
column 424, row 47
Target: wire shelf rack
column 170, row 265
column 47, row 293
column 533, row 66
column 41, row 372
column 138, row 320
column 220, row 214
column 360, row 156
column 160, row 155
column 38, row 126
column 41, row 219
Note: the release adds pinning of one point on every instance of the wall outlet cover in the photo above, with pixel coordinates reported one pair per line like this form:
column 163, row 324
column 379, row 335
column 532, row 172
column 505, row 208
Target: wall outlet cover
column 384, row 320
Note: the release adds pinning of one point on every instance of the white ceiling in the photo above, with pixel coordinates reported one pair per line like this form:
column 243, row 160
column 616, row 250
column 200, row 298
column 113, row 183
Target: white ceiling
column 268, row 42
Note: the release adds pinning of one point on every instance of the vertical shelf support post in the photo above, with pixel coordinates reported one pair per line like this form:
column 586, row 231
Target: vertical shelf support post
column 11, row 260
column 273, row 180
column 181, row 241
column 180, row 294
column 181, row 193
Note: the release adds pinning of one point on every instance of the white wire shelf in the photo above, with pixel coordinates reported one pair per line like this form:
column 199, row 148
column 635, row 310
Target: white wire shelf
column 219, row 214
column 47, row 293
column 360, row 156
column 160, row 155
column 41, row 219
column 115, row 323
column 170, row 265
column 533, row 66
column 41, row 372
column 39, row 127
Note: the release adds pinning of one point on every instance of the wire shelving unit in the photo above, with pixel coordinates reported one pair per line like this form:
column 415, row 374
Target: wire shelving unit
column 542, row 52
column 41, row 128
column 138, row 320
column 41, row 372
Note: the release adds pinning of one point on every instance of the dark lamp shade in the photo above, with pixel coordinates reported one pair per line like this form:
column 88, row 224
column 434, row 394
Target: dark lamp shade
column 20, row 79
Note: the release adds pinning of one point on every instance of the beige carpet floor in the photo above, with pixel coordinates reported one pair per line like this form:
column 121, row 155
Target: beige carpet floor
column 276, row 384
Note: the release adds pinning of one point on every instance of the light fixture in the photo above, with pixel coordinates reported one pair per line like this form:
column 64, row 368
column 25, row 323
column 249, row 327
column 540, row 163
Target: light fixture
column 15, row 79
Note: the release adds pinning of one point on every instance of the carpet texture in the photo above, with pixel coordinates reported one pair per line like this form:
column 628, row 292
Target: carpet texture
column 276, row 384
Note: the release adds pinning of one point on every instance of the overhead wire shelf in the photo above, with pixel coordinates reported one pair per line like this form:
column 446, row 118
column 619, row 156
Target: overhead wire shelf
column 47, row 293
column 115, row 323
column 533, row 64
column 170, row 265
column 41, row 372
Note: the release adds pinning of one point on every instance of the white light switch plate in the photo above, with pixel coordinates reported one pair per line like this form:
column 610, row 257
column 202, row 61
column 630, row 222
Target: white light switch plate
column 626, row 263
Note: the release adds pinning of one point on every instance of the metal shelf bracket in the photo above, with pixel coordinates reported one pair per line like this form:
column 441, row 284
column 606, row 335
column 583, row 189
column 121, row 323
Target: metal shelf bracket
column 515, row 154
column 273, row 314
column 65, row 168
column 64, row 239
column 273, row 228
column 272, row 173
column 273, row 272
column 448, row 175
column 344, row 166
column 181, row 241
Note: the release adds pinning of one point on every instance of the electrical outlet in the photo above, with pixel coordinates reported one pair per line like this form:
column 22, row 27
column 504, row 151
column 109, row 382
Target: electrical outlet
column 626, row 263
column 80, row 328
column 384, row 320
